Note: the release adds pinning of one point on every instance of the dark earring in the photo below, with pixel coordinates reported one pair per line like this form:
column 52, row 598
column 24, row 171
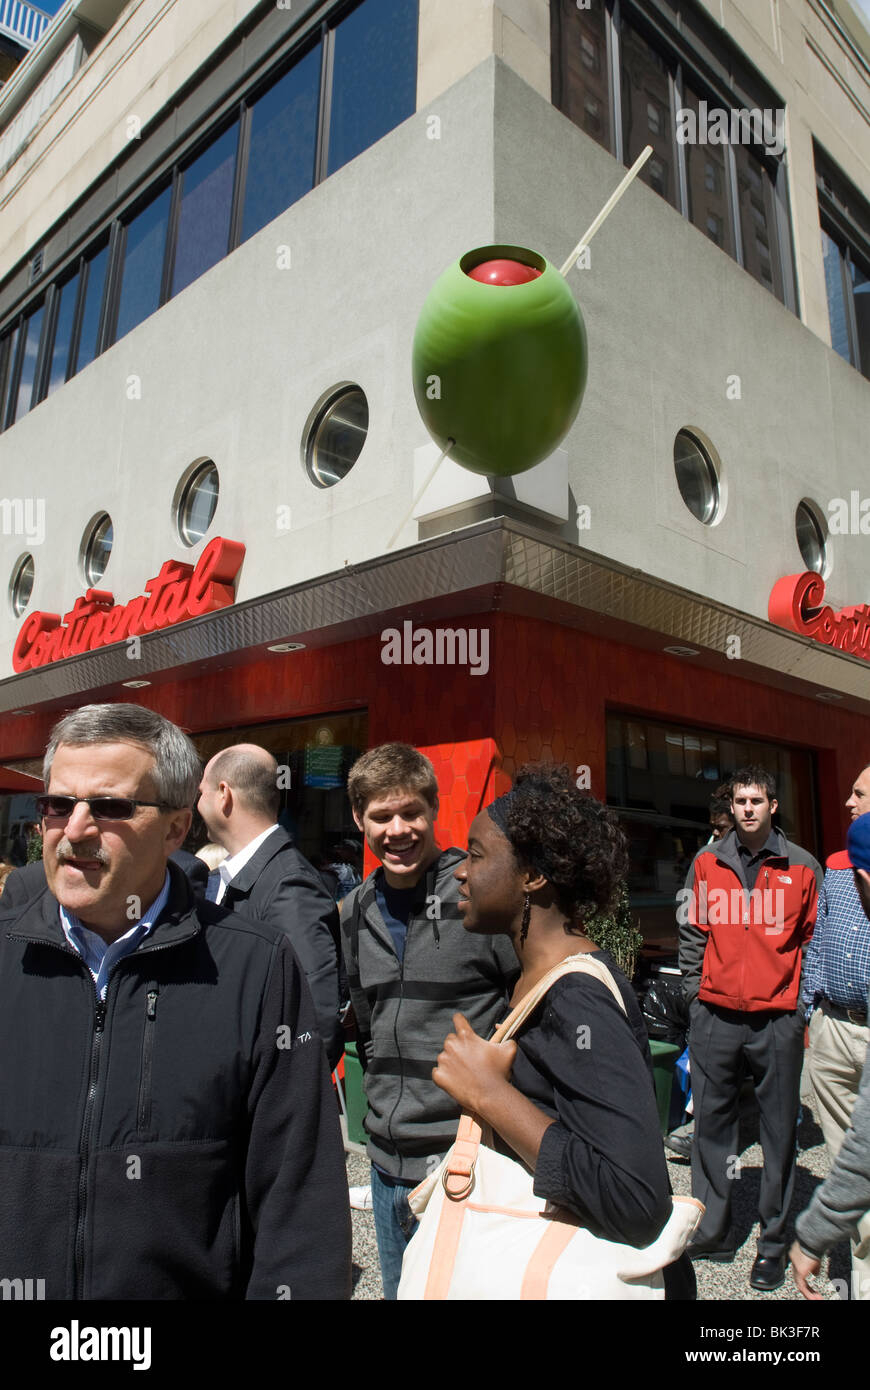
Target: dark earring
column 527, row 912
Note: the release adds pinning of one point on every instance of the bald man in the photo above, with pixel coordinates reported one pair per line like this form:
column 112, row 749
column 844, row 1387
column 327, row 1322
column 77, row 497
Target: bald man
column 264, row 876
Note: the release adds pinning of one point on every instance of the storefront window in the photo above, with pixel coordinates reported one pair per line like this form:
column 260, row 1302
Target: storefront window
column 663, row 806
column 314, row 757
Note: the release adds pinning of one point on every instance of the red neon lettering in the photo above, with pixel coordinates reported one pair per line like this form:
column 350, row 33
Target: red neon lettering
column 177, row 592
column 796, row 603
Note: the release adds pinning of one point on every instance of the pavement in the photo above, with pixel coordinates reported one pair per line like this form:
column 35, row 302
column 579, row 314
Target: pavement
column 715, row 1281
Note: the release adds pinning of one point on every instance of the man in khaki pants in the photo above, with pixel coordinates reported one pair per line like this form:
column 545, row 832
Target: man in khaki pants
column 836, row 982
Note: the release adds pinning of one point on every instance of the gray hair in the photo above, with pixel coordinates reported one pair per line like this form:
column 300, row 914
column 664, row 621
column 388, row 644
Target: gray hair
column 177, row 766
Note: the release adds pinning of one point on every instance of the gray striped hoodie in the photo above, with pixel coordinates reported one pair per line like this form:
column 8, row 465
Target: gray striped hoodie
column 404, row 1011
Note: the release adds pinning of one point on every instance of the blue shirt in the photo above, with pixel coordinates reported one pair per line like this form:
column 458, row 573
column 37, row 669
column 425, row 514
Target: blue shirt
column 838, row 959
column 97, row 955
column 395, row 906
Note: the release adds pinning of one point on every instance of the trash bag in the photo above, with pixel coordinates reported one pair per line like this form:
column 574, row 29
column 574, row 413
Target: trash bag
column 666, row 1011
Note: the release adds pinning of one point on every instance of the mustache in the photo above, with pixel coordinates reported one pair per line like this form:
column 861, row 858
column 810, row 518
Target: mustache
column 67, row 850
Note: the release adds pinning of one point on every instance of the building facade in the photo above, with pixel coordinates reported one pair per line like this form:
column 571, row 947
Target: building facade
column 220, row 224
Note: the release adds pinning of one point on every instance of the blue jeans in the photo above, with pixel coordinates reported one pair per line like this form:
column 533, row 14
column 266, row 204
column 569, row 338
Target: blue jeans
column 395, row 1224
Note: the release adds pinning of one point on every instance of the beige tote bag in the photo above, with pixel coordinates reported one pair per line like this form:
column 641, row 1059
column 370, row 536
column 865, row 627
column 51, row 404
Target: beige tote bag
column 483, row 1234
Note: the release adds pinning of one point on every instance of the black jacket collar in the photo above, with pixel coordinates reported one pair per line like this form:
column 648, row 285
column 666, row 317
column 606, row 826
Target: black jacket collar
column 247, row 876
column 39, row 921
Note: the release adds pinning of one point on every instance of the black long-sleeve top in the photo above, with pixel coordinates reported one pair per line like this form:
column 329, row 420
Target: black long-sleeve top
column 587, row 1064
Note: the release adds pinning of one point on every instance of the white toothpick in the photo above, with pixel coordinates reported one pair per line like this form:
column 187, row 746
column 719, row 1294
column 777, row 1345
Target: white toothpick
column 607, row 209
column 429, row 476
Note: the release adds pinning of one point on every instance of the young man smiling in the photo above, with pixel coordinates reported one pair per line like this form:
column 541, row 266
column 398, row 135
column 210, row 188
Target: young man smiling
column 411, row 966
column 742, row 970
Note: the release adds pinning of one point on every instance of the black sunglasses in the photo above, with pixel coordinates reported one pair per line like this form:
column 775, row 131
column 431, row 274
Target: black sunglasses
column 102, row 807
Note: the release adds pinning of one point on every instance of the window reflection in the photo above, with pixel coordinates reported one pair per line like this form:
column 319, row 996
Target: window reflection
column 646, row 89
column 142, row 275
column 282, row 145
column 206, row 206
column 95, row 278
column 374, row 76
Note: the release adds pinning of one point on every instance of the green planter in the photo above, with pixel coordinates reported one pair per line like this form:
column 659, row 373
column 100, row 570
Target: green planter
column 664, row 1058
column 354, row 1095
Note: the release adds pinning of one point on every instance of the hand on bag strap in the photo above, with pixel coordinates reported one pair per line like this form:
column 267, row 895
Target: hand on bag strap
column 581, row 963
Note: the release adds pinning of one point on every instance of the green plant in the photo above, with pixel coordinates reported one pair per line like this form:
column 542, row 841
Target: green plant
column 616, row 932
column 34, row 848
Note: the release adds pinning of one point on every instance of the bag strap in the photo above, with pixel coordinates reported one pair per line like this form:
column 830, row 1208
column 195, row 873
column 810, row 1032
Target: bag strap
column 460, row 1161
column 581, row 963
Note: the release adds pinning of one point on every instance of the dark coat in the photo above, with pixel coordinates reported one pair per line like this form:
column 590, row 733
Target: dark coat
column 179, row 1141
column 279, row 886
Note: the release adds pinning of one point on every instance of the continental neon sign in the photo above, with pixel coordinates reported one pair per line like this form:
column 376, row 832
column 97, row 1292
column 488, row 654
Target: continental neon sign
column 177, row 593
column 796, row 603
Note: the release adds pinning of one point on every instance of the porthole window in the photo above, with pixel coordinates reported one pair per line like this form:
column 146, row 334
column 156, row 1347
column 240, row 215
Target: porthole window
column 96, row 548
column 21, row 585
column 197, row 503
column 811, row 535
column 697, row 477
column 335, row 436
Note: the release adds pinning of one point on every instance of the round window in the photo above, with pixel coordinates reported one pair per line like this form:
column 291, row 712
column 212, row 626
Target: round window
column 21, row 584
column 811, row 537
column 198, row 502
column 335, row 438
column 697, row 477
column 96, row 548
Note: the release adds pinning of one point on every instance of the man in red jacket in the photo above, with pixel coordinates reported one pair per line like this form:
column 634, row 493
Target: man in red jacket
column 751, row 907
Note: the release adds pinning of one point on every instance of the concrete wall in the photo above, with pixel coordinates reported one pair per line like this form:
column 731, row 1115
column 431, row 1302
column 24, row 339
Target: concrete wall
column 231, row 368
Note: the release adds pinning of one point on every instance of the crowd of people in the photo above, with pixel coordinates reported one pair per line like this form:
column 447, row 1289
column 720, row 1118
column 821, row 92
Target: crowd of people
column 177, row 1114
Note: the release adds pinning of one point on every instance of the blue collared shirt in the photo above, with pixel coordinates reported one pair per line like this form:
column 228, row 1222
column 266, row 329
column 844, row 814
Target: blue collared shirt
column 838, row 959
column 96, row 954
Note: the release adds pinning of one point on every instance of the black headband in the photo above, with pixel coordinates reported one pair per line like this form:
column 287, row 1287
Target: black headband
column 498, row 810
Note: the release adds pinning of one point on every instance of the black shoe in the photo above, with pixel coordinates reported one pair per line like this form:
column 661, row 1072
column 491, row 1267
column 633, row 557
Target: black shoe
column 768, row 1273
column 718, row 1251
column 679, row 1144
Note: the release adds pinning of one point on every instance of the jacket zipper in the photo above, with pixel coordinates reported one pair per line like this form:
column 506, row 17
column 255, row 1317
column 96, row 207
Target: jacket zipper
column 143, row 1108
column 84, row 1146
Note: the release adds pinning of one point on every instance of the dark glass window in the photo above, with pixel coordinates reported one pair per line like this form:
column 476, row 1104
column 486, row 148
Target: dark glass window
column 580, row 87
column 206, row 205
column 810, row 538
column 837, row 313
column 8, row 348
column 707, row 184
column 198, row 503
column 646, row 106
column 861, row 302
column 63, row 333
column 374, row 76
column 32, row 331
column 95, row 272
column 757, row 209
column 283, row 143
column 142, row 273
column 660, row 777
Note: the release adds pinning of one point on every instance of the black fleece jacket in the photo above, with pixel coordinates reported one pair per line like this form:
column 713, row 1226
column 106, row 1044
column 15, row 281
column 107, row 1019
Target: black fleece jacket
column 180, row 1141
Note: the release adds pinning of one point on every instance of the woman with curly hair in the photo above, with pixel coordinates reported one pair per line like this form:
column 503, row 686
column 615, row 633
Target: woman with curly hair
column 572, row 1096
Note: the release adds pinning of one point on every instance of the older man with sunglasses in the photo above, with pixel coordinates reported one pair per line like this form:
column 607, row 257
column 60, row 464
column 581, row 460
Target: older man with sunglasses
column 167, row 1128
